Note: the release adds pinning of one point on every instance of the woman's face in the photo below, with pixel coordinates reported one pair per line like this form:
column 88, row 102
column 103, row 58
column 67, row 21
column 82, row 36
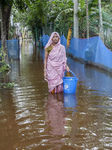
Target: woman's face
column 55, row 38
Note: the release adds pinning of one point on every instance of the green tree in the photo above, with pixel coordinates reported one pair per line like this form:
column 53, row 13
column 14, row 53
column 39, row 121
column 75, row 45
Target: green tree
column 94, row 16
column 5, row 7
column 62, row 15
column 46, row 16
column 42, row 17
column 35, row 17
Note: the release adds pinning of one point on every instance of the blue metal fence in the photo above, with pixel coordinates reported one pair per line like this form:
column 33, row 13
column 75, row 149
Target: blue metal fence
column 13, row 48
column 45, row 39
column 91, row 50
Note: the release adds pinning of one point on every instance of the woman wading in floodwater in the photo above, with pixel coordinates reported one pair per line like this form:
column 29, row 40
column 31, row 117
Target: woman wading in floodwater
column 55, row 63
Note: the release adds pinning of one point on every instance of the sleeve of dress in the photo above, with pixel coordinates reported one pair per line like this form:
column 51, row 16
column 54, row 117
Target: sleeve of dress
column 47, row 49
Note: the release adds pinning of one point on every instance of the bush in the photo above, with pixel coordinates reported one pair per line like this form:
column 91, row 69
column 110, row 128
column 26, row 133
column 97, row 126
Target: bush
column 3, row 68
column 108, row 42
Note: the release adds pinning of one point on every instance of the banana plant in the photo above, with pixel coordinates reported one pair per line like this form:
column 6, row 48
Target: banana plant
column 93, row 11
column 62, row 15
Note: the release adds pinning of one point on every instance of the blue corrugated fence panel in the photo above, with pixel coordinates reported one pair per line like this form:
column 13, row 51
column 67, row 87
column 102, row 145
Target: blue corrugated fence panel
column 91, row 50
column 45, row 39
column 77, row 48
column 103, row 55
column 13, row 48
column 63, row 40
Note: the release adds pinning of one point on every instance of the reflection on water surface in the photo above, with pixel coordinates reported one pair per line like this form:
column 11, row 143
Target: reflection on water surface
column 31, row 118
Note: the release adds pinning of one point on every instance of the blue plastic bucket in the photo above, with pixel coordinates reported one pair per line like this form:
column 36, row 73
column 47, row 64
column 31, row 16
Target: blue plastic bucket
column 69, row 83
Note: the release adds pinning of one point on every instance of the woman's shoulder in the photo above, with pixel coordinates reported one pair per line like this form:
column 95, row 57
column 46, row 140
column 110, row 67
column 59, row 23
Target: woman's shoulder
column 62, row 46
column 49, row 48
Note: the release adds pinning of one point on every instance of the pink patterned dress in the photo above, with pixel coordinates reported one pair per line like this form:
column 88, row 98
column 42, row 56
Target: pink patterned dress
column 56, row 66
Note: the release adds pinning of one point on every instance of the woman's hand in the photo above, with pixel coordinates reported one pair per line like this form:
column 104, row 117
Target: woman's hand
column 67, row 68
column 45, row 75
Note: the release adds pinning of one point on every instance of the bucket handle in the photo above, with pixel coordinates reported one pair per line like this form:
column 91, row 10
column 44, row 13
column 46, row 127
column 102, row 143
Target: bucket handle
column 71, row 72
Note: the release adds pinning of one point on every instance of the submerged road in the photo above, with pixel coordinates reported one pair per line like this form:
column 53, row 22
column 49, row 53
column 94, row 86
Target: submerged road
column 33, row 119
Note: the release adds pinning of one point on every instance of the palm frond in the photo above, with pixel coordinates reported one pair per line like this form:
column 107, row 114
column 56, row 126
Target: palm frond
column 66, row 11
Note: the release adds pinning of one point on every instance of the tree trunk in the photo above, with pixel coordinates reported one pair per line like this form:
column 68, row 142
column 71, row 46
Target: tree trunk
column 5, row 16
column 76, row 22
column 3, row 29
column 43, row 29
column 87, row 18
column 7, row 22
column 0, row 24
column 101, row 22
column 50, row 28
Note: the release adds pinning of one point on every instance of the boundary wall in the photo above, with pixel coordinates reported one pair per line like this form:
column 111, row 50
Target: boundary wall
column 91, row 51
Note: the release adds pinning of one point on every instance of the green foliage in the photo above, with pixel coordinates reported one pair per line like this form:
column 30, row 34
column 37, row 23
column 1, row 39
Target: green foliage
column 4, row 67
column 34, row 17
column 6, row 85
column 19, row 4
column 62, row 15
column 94, row 16
column 43, row 14
column 49, row 15
column 11, row 32
column 108, row 42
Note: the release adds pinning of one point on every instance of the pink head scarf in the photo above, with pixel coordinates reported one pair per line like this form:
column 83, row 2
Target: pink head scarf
column 50, row 39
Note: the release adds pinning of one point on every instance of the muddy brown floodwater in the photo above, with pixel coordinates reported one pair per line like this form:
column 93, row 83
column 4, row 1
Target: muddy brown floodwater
column 33, row 119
